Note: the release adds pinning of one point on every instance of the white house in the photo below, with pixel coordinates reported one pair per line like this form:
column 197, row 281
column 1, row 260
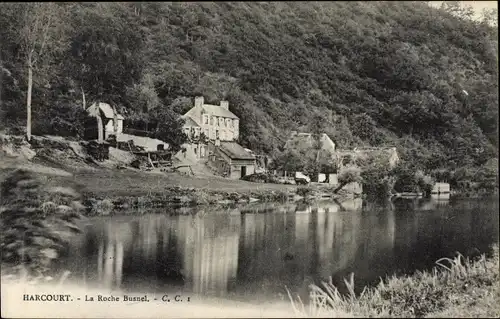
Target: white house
column 215, row 121
column 221, row 128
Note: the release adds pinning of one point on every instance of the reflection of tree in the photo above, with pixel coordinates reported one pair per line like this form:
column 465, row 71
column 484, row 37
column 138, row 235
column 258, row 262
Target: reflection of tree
column 164, row 250
column 110, row 256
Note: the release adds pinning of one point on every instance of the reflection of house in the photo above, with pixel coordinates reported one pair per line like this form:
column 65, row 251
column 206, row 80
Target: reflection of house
column 352, row 204
column 263, row 250
column 441, row 188
column 212, row 132
column 108, row 116
column 210, row 250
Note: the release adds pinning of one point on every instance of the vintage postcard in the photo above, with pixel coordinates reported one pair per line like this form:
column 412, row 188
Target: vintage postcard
column 249, row 159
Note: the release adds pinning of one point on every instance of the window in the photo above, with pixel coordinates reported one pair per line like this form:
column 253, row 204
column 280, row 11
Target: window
column 211, row 120
column 205, row 119
column 217, row 122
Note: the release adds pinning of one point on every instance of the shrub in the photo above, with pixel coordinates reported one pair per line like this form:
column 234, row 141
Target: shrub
column 425, row 293
column 303, row 191
column 261, row 178
column 36, row 221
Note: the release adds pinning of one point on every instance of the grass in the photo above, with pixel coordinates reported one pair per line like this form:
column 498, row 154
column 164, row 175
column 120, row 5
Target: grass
column 133, row 183
column 457, row 287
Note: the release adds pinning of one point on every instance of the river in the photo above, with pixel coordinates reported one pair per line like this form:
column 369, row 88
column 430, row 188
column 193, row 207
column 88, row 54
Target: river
column 252, row 253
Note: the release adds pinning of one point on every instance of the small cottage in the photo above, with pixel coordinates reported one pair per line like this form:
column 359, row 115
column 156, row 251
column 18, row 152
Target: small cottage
column 232, row 159
column 108, row 115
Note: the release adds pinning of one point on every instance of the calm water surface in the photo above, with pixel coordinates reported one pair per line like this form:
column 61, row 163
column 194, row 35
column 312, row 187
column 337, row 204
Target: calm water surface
column 253, row 253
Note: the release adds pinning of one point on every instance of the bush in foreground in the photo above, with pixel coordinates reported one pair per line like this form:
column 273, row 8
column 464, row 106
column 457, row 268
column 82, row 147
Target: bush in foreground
column 460, row 287
column 35, row 222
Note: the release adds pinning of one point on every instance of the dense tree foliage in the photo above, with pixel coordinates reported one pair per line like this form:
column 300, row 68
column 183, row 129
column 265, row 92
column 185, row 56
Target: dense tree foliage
column 406, row 74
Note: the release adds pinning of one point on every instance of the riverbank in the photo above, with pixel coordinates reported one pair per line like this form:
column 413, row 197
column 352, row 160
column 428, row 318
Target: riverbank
column 457, row 287
column 105, row 191
column 108, row 190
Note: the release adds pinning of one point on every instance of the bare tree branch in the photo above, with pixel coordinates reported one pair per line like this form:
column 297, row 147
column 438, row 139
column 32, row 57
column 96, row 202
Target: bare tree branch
column 45, row 36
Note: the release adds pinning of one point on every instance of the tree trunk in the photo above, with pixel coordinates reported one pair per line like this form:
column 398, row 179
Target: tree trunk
column 83, row 100
column 28, row 100
column 100, row 128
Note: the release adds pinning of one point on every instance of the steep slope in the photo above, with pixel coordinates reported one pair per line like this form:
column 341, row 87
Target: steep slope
column 365, row 73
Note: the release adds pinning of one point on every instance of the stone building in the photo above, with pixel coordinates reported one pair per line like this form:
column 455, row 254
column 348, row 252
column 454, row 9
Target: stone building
column 213, row 131
column 214, row 121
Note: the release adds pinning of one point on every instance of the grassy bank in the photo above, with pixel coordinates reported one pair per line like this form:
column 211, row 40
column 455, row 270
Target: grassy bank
column 105, row 190
column 457, row 287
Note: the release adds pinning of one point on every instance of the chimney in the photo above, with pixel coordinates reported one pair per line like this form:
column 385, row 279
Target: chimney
column 198, row 101
column 224, row 104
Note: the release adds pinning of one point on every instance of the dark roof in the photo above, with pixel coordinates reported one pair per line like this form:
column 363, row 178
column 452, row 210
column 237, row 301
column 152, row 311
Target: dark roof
column 107, row 110
column 235, row 151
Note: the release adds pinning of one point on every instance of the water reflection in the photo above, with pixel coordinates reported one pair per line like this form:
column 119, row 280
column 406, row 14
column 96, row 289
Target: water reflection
column 258, row 250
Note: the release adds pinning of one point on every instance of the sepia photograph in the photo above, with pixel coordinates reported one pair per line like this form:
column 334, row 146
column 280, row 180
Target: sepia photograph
column 243, row 159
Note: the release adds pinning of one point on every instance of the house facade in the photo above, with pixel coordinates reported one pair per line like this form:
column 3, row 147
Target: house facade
column 208, row 123
column 213, row 131
column 214, row 121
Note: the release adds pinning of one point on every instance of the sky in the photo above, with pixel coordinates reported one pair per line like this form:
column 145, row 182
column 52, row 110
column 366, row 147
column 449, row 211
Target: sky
column 478, row 6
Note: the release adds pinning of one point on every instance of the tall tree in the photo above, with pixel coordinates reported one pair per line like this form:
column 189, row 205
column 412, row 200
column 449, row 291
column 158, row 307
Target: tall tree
column 43, row 36
column 107, row 48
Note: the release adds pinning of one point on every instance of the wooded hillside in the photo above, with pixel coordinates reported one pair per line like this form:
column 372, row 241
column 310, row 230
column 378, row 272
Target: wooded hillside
column 366, row 73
